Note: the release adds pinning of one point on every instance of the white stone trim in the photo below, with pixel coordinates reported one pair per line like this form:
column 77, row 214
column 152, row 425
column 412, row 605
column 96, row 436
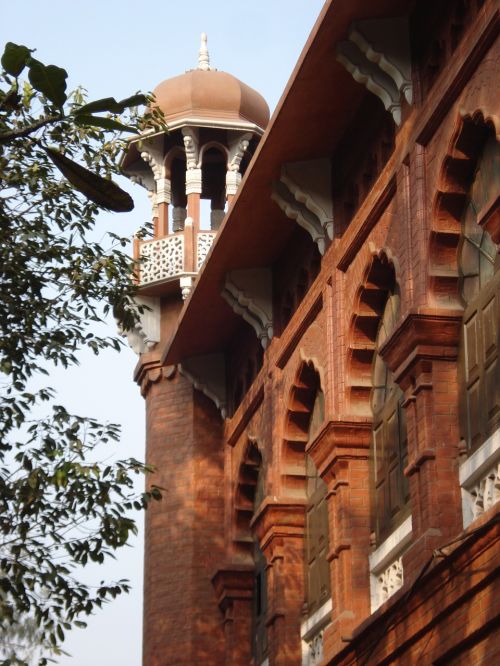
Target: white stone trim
column 480, row 479
column 386, row 572
column 311, row 633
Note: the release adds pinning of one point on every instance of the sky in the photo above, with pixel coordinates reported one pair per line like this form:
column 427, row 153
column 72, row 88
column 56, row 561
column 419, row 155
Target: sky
column 115, row 48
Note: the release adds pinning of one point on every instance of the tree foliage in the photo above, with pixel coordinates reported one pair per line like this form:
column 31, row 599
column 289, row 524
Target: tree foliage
column 59, row 508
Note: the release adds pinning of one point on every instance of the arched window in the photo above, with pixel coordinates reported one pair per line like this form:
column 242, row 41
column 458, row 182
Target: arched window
column 390, row 446
column 316, row 542
column 479, row 262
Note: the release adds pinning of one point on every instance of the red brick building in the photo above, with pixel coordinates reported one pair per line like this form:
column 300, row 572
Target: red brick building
column 323, row 408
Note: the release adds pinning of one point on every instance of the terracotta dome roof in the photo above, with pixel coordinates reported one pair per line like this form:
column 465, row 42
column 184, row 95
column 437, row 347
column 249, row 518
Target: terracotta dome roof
column 209, row 95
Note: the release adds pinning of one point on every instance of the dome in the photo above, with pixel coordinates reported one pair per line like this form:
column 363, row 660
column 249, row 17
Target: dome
column 206, row 96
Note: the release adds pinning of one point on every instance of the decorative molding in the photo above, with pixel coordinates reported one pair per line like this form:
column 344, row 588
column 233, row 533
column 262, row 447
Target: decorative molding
column 377, row 55
column 161, row 259
column 146, row 332
column 247, row 409
column 208, row 375
column 304, row 195
column 249, row 293
column 311, row 633
column 480, row 479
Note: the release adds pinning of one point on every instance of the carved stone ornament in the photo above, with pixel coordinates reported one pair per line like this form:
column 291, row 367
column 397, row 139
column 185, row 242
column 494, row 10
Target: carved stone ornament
column 377, row 55
column 304, row 195
column 192, row 147
column 208, row 375
column 249, row 293
column 237, row 149
column 146, row 333
column 163, row 191
column 161, row 259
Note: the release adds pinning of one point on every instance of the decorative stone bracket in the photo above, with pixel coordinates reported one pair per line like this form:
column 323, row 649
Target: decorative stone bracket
column 304, row 194
column 249, row 293
column 208, row 375
column 237, row 148
column 146, row 333
column 377, row 55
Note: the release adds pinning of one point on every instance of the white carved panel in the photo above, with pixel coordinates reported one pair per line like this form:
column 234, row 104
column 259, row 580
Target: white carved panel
column 161, row 259
column 480, row 479
column 312, row 632
column 386, row 565
column 204, row 243
column 389, row 581
column 485, row 493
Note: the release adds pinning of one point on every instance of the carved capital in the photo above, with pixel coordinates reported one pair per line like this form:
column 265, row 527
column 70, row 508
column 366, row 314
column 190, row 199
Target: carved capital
column 422, row 336
column 233, row 180
column 163, row 191
column 233, row 582
column 277, row 519
column 193, row 181
column 336, row 444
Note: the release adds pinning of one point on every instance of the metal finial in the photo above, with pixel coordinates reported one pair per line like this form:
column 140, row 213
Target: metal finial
column 203, row 57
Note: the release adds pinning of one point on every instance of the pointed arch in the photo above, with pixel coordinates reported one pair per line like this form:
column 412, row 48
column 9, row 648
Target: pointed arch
column 456, row 177
column 379, row 280
column 248, row 495
column 301, row 399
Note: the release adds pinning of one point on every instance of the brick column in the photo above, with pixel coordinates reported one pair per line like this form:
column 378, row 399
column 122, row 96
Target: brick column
column 184, row 443
column 341, row 453
column 279, row 526
column 422, row 353
column 234, row 586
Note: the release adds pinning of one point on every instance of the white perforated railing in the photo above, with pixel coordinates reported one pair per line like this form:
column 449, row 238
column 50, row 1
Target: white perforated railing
column 161, row 259
column 204, row 243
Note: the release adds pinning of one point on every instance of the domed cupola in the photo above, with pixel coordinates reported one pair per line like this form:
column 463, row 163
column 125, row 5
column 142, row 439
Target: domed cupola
column 214, row 122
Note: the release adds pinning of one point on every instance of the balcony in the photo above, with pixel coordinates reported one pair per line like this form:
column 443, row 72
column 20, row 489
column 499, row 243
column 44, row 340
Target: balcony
column 164, row 262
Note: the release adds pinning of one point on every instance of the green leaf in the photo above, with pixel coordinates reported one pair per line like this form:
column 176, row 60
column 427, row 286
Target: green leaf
column 101, row 191
column 134, row 100
column 14, row 58
column 110, row 104
column 105, row 123
column 49, row 80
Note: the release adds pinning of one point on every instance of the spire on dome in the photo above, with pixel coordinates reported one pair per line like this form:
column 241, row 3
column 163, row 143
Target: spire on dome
column 203, row 57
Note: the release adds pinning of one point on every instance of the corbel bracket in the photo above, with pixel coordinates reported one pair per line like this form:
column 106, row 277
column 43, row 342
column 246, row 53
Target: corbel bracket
column 146, row 332
column 377, row 55
column 249, row 293
column 304, row 194
column 208, row 374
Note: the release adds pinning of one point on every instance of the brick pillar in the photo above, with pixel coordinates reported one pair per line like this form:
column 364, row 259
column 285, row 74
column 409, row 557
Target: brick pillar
column 341, row 455
column 279, row 526
column 183, row 442
column 234, row 586
column 422, row 353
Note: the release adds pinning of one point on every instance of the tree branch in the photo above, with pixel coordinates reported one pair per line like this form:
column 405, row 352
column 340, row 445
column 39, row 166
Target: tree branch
column 5, row 137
